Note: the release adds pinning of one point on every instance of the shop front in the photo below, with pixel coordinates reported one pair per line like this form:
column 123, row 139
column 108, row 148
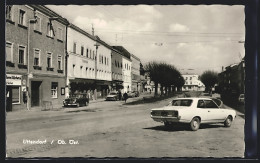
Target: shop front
column 16, row 97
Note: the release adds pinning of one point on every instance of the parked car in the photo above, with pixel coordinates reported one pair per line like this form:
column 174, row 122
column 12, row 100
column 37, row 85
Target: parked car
column 112, row 96
column 241, row 98
column 136, row 93
column 131, row 94
column 193, row 111
column 76, row 100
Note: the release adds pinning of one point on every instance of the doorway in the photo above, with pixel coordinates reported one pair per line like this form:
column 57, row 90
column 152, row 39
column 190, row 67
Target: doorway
column 9, row 98
column 35, row 96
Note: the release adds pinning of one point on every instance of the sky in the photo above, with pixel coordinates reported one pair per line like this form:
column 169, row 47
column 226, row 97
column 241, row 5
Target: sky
column 191, row 38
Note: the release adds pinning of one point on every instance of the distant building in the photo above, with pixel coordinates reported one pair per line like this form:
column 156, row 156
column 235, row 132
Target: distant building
column 192, row 83
column 117, row 70
column 135, row 74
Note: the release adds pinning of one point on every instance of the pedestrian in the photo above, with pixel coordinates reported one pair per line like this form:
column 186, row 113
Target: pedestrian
column 120, row 95
column 125, row 96
column 150, row 91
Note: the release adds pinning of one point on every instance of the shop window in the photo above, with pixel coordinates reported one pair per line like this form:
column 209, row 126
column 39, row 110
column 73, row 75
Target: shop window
column 54, row 90
column 15, row 95
column 36, row 57
column 21, row 17
column 21, row 53
column 9, row 51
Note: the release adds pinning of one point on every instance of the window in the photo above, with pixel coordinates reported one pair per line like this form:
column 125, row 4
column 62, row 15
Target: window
column 59, row 62
column 21, row 17
column 54, row 90
column 108, row 64
column 105, row 60
column 102, row 60
column 21, row 53
column 73, row 69
column 190, row 78
column 81, row 70
column 36, row 57
column 37, row 24
column 15, row 95
column 9, row 51
column 49, row 60
column 59, row 34
column 8, row 12
column 87, row 53
column 210, row 104
column 115, row 64
column 74, row 47
column 82, row 50
column 49, row 30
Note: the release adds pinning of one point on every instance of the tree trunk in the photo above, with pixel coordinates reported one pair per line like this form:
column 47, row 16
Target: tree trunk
column 156, row 89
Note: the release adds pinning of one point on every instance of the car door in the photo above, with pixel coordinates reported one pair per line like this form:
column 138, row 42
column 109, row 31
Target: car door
column 214, row 112
column 203, row 112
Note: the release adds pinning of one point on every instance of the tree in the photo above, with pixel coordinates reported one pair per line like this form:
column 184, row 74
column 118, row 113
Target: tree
column 209, row 79
column 164, row 74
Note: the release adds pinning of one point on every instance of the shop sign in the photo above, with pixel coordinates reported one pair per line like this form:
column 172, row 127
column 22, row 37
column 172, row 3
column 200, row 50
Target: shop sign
column 12, row 79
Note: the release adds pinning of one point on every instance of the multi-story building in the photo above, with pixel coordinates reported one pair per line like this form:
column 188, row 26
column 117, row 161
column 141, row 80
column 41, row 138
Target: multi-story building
column 89, row 63
column 135, row 74
column 35, row 56
column 117, row 70
column 126, row 66
column 192, row 83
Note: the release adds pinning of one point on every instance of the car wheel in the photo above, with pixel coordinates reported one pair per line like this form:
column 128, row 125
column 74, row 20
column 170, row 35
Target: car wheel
column 195, row 124
column 228, row 121
column 167, row 124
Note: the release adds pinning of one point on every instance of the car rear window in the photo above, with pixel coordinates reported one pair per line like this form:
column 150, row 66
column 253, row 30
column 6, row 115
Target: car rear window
column 182, row 102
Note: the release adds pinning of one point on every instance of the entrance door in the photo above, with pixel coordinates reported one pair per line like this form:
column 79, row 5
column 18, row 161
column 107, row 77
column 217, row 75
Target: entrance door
column 9, row 98
column 35, row 97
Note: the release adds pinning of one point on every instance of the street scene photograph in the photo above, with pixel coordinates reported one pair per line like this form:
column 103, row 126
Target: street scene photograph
column 125, row 81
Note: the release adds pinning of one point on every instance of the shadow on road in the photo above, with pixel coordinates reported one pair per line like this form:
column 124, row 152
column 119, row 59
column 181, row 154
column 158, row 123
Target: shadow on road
column 153, row 99
column 85, row 110
column 183, row 127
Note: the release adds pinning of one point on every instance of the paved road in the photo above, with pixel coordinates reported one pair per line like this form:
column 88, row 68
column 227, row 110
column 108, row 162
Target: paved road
column 112, row 129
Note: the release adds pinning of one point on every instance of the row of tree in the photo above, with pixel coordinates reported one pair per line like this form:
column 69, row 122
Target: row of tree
column 166, row 75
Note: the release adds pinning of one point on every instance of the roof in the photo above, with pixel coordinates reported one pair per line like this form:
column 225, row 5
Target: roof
column 123, row 51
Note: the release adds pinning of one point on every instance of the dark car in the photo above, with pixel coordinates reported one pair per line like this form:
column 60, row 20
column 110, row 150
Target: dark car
column 112, row 96
column 76, row 100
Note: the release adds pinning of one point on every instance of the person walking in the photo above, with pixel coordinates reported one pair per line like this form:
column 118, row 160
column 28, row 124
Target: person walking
column 125, row 96
column 120, row 95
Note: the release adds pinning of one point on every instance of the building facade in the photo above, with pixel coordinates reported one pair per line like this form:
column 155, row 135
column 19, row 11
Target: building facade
column 135, row 74
column 192, row 83
column 35, row 56
column 117, row 70
column 89, row 64
column 126, row 68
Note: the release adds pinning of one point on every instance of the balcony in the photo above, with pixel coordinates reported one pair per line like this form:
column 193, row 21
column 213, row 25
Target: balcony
column 60, row 71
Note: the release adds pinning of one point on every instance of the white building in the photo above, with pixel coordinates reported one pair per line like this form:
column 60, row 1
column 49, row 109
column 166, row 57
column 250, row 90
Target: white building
column 127, row 81
column 89, row 63
column 192, row 83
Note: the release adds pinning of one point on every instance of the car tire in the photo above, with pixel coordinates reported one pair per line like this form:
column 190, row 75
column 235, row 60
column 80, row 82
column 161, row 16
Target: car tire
column 228, row 121
column 167, row 124
column 195, row 124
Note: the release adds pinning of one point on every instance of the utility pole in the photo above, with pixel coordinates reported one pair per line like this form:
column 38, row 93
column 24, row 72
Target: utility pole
column 96, row 45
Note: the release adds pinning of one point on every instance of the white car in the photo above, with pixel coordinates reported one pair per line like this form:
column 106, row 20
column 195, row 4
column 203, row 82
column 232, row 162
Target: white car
column 193, row 111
